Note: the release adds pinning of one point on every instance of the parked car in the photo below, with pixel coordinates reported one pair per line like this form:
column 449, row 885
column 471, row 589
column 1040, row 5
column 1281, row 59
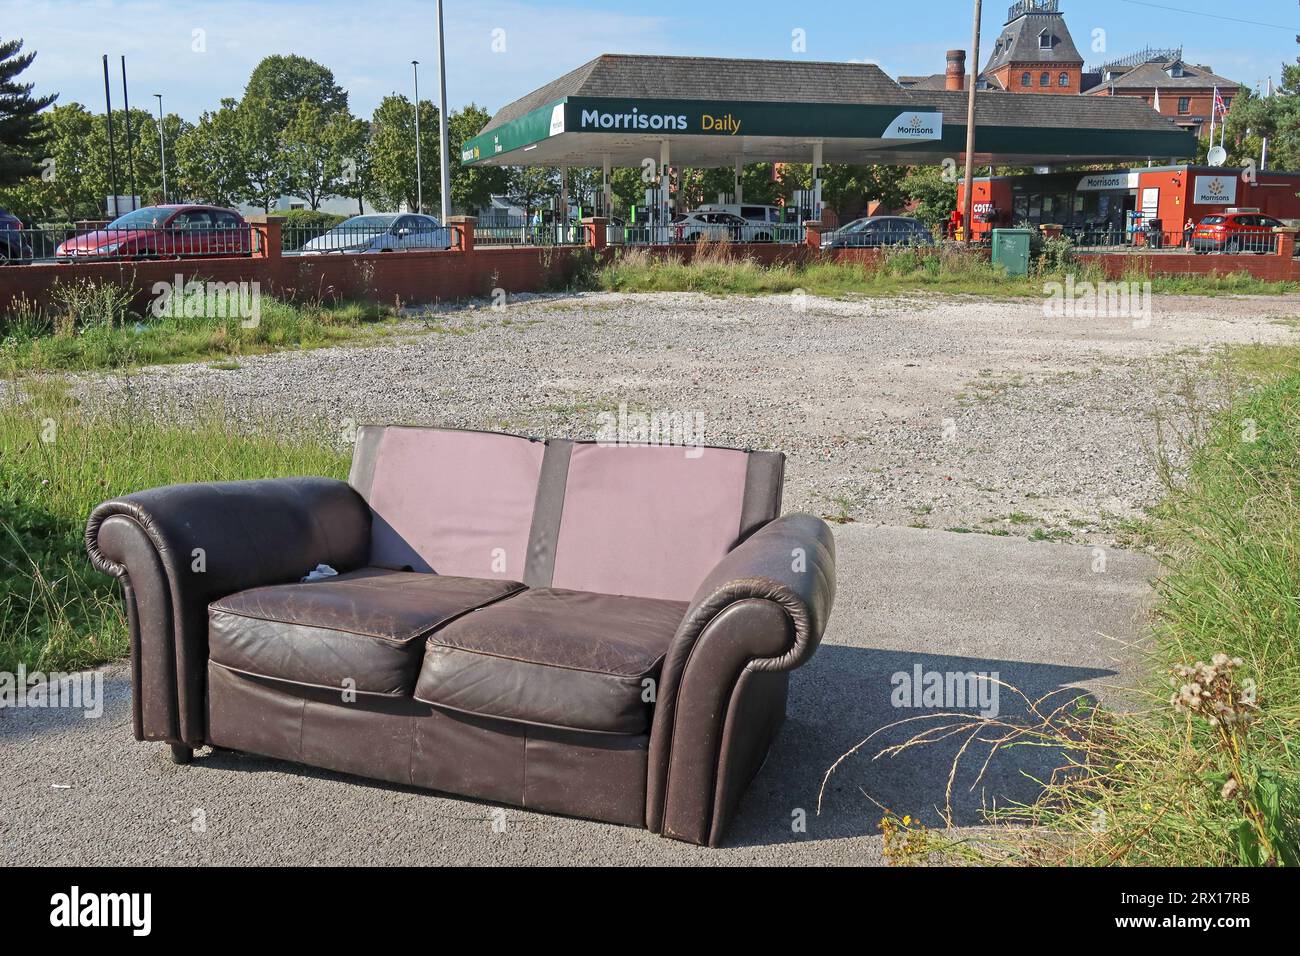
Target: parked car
column 14, row 247
column 872, row 232
column 1235, row 231
column 747, row 211
column 718, row 227
column 153, row 232
column 382, row 233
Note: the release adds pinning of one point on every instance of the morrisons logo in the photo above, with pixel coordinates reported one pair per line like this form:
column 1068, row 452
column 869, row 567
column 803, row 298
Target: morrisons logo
column 915, row 126
column 595, row 119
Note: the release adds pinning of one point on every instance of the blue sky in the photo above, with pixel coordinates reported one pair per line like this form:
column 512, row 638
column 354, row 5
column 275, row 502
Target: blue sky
column 369, row 46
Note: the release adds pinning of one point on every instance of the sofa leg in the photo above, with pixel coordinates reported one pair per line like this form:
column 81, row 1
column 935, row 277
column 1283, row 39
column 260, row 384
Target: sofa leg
column 182, row 754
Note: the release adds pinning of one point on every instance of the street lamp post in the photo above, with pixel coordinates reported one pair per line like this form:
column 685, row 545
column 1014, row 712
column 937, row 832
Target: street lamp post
column 419, row 177
column 162, row 147
column 968, row 207
column 444, row 160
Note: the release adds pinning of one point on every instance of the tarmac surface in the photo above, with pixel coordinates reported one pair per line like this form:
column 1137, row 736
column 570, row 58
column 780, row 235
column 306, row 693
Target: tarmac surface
column 1042, row 616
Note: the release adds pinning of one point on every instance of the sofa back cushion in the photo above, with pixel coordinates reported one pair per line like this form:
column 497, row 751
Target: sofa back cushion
column 652, row 521
column 449, row 501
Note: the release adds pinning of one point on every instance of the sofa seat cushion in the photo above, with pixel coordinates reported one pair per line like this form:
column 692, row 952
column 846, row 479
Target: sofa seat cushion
column 553, row 657
column 361, row 631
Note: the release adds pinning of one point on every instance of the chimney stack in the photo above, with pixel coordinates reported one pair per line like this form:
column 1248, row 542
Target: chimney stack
column 955, row 78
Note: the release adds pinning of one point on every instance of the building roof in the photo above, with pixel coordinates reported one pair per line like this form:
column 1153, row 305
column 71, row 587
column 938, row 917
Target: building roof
column 935, row 81
column 713, row 78
column 1019, row 40
column 713, row 112
column 1156, row 74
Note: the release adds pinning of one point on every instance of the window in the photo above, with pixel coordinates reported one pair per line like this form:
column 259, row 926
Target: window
column 1063, row 79
column 1045, row 79
column 1026, row 79
column 1184, row 105
column 1176, row 70
column 1227, row 102
column 1045, row 40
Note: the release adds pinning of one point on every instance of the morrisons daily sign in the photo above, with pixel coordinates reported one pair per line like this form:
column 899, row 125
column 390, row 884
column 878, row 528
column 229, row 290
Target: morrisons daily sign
column 707, row 118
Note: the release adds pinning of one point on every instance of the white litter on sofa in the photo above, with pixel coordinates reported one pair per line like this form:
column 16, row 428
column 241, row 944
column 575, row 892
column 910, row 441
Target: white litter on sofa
column 321, row 572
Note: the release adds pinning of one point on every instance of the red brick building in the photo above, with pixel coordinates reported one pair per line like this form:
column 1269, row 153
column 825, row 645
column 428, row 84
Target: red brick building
column 1120, row 202
column 1034, row 53
column 1186, row 91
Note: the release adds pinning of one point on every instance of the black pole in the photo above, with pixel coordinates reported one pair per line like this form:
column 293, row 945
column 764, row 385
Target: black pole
column 112, row 155
column 126, row 111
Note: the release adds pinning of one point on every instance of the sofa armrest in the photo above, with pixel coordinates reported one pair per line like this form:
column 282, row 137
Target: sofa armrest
column 721, row 694
column 178, row 548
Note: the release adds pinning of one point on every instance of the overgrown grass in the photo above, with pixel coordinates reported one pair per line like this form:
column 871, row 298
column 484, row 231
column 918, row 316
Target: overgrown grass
column 85, row 326
column 57, row 461
column 716, row 269
column 1207, row 771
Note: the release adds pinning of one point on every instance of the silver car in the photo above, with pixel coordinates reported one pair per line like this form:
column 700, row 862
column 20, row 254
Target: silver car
column 394, row 232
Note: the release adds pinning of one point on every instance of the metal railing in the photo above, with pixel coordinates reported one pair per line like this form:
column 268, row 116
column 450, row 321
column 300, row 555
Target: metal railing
column 523, row 231
column 879, row 237
column 320, row 240
column 76, row 243
column 1171, row 240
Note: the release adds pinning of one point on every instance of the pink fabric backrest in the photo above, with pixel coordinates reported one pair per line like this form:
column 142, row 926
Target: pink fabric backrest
column 453, row 502
column 647, row 521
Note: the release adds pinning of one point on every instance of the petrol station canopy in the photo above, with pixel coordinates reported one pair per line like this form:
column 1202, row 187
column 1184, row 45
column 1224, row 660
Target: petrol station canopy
column 711, row 112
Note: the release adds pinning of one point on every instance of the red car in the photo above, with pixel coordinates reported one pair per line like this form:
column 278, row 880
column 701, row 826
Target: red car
column 1236, row 231
column 164, row 232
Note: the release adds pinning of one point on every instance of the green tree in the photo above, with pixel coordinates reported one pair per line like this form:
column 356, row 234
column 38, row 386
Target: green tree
column 211, row 161
column 282, row 83
column 935, row 197
column 392, row 181
column 267, row 171
column 319, row 152
column 533, row 187
column 472, row 187
column 21, row 131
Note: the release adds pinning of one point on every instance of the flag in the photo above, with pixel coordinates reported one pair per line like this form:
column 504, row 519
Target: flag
column 1220, row 108
column 1157, row 103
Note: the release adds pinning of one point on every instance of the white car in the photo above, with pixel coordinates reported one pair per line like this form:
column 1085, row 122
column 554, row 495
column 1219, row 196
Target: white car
column 383, row 233
column 718, row 227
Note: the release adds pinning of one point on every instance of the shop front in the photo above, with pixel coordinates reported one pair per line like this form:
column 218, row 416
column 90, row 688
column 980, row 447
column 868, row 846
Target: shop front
column 1142, row 206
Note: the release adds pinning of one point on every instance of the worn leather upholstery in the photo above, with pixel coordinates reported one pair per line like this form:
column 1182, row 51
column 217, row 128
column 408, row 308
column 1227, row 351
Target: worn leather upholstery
column 399, row 739
column 761, row 611
column 178, row 548
column 363, row 631
column 645, row 710
column 552, row 657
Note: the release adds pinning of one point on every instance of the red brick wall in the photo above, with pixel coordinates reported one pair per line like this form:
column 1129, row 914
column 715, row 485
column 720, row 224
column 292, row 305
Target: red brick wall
column 1271, row 268
column 1009, row 76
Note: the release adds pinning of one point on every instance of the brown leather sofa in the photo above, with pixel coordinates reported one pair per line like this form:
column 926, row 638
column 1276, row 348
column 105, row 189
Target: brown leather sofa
column 604, row 632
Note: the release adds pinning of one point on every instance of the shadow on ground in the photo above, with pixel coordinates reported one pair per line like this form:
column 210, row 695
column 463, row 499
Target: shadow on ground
column 842, row 696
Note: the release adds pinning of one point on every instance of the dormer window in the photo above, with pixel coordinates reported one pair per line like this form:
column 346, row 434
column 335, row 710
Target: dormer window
column 1176, row 71
column 1045, row 40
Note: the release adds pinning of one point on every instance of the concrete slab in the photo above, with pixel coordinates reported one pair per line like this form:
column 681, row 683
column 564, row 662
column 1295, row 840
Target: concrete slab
column 1043, row 616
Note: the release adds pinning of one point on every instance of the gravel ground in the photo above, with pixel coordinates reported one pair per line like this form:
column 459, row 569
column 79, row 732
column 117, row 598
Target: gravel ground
column 941, row 412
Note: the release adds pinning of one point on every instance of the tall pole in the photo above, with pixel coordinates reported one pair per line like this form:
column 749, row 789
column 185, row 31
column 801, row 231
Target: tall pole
column 162, row 148
column 112, row 155
column 419, row 176
column 126, row 112
column 968, row 210
column 443, row 159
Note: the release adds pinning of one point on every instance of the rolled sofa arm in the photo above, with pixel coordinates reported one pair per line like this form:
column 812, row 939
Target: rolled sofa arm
column 721, row 695
column 178, row 548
